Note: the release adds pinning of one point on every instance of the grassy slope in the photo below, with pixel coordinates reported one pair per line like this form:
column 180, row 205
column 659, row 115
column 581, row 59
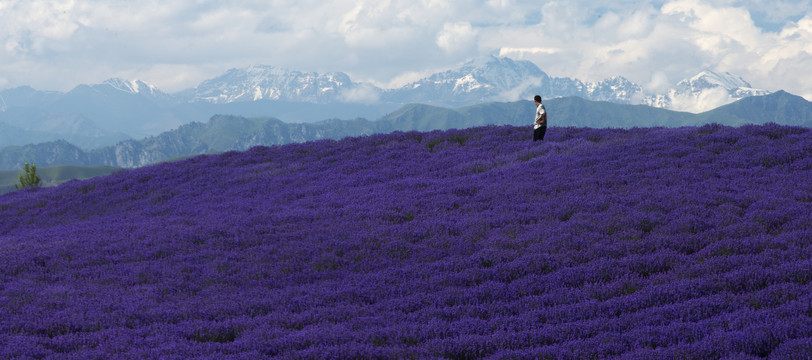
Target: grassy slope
column 54, row 175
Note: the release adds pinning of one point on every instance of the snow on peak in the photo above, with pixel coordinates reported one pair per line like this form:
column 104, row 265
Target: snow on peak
column 705, row 91
column 502, row 71
column 485, row 78
column 130, row 86
column 468, row 83
column 482, row 79
column 710, row 79
column 264, row 82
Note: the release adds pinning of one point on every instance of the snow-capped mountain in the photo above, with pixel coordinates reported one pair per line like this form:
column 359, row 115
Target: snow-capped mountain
column 261, row 82
column 616, row 89
column 709, row 79
column 485, row 79
column 132, row 86
column 479, row 80
column 495, row 78
column 503, row 79
column 705, row 91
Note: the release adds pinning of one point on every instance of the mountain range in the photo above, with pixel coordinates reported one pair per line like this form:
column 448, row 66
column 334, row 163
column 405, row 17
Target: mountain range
column 92, row 116
column 229, row 132
column 480, row 80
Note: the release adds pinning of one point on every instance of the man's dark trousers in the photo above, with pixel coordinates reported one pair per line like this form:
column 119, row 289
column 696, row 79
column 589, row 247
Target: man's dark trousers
column 538, row 134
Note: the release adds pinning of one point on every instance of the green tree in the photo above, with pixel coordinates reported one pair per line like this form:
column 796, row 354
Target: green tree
column 28, row 178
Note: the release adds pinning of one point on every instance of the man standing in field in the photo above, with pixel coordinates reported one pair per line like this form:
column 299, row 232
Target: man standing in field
column 540, row 127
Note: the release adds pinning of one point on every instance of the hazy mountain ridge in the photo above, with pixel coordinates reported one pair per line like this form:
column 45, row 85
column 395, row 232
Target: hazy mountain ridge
column 224, row 133
column 117, row 110
column 220, row 133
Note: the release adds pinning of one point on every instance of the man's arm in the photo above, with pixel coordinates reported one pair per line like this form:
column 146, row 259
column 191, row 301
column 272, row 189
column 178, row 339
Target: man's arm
column 541, row 115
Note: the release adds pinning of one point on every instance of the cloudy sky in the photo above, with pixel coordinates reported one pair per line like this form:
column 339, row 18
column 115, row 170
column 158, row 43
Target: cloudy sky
column 176, row 44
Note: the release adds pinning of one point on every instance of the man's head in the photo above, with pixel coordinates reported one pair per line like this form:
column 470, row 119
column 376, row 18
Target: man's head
column 537, row 99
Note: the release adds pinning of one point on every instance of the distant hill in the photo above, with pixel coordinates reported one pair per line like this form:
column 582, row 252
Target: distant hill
column 105, row 114
column 574, row 111
column 54, row 175
column 780, row 107
column 224, row 132
column 420, row 117
column 220, row 133
column 23, row 126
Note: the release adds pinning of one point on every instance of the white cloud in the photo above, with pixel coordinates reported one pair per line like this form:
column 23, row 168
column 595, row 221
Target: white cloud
column 521, row 52
column 659, row 83
column 361, row 94
column 703, row 101
column 519, row 91
column 457, row 37
column 716, row 28
column 732, row 42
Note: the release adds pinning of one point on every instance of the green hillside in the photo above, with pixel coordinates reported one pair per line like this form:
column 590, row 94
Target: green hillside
column 54, row 175
column 780, row 107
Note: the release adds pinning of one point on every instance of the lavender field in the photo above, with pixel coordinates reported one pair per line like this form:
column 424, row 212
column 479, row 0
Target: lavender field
column 687, row 243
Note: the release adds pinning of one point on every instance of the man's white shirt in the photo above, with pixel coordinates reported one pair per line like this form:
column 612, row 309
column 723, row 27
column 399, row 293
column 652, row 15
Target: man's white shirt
column 539, row 111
